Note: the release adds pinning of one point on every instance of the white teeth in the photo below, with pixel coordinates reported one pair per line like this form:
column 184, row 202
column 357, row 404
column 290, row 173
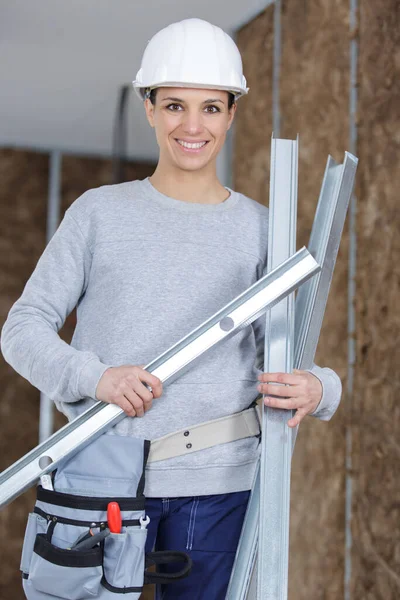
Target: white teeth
column 187, row 145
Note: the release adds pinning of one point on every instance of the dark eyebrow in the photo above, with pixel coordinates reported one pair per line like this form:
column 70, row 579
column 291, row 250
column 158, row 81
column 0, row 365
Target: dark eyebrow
column 173, row 99
column 213, row 100
column 209, row 101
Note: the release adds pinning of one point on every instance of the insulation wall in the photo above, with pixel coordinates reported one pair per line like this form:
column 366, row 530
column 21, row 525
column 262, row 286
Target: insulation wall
column 314, row 102
column 23, row 209
column 376, row 408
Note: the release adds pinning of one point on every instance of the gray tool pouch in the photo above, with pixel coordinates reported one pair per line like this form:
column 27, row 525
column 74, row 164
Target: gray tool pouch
column 110, row 469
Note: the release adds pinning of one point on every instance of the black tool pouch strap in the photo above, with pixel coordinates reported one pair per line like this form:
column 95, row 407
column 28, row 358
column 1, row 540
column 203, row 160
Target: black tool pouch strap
column 165, row 558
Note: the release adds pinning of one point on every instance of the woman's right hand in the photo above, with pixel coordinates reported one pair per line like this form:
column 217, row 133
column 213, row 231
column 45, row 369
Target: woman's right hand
column 123, row 386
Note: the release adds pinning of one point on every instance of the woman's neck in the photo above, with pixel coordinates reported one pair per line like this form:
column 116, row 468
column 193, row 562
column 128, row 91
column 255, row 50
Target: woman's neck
column 189, row 186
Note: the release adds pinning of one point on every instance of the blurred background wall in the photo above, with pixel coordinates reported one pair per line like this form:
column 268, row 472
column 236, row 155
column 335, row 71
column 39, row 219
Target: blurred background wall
column 299, row 74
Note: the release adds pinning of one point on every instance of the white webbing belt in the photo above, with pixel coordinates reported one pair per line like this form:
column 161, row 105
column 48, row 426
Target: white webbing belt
column 205, row 435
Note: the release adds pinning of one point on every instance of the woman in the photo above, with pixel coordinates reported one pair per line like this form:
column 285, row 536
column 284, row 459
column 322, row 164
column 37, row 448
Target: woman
column 146, row 262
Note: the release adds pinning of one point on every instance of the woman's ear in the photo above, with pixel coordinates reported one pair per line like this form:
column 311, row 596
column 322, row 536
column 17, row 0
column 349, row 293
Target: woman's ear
column 149, row 108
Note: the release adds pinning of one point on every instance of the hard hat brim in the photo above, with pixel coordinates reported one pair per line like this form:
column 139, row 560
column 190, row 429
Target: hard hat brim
column 140, row 88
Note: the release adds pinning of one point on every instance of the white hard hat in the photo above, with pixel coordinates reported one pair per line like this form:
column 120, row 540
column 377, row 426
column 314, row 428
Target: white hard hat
column 192, row 53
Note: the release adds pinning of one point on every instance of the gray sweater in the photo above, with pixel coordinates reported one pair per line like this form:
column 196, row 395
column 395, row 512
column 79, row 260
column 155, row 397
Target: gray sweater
column 143, row 270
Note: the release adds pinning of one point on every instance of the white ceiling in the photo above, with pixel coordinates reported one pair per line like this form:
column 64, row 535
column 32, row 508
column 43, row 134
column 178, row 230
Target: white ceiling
column 63, row 62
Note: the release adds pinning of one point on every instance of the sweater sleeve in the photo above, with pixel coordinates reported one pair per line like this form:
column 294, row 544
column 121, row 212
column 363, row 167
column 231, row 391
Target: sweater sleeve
column 29, row 338
column 331, row 392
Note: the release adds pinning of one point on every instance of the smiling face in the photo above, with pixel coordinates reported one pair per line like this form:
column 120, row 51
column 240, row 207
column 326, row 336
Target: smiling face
column 190, row 126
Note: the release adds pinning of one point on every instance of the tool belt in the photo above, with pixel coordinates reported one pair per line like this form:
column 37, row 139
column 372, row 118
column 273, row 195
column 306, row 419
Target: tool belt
column 205, row 435
column 69, row 550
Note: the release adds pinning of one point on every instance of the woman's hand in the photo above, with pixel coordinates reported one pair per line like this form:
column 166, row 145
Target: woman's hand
column 301, row 390
column 125, row 387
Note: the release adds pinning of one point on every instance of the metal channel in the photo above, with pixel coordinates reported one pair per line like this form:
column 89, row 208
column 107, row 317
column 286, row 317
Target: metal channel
column 311, row 301
column 46, row 417
column 276, row 441
column 351, row 327
column 324, row 245
column 236, row 315
column 276, row 72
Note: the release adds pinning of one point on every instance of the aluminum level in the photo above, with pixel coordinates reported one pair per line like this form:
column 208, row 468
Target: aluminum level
column 239, row 313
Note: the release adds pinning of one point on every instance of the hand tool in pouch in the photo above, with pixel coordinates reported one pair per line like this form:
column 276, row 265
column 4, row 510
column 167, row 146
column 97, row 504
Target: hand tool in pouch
column 114, row 517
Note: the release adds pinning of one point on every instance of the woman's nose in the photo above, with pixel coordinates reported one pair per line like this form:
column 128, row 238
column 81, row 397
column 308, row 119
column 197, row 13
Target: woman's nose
column 192, row 122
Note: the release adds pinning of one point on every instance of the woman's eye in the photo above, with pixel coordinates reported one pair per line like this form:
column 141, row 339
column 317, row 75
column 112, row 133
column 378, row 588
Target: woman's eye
column 174, row 107
column 212, row 109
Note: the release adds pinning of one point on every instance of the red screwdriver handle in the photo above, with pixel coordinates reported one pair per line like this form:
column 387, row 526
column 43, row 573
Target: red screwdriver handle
column 114, row 517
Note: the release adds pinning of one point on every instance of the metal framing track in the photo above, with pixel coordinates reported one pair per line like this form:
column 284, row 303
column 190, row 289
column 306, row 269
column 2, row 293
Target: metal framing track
column 276, row 442
column 324, row 243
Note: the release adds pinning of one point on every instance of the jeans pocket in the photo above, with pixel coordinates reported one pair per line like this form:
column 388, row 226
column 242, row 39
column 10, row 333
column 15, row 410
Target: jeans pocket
column 36, row 524
column 63, row 573
column 123, row 561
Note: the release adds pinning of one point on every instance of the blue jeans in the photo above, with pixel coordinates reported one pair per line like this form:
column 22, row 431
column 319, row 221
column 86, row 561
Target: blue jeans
column 205, row 527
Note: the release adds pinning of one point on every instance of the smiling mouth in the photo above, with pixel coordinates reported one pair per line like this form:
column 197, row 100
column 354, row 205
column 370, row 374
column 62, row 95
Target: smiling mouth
column 192, row 145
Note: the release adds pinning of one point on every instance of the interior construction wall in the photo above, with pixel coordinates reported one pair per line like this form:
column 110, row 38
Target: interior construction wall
column 23, row 210
column 376, row 407
column 314, row 102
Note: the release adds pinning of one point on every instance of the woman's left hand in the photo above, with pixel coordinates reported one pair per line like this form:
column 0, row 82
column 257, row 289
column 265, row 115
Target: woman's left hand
column 300, row 391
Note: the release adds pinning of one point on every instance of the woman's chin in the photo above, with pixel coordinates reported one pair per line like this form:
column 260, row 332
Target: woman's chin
column 192, row 164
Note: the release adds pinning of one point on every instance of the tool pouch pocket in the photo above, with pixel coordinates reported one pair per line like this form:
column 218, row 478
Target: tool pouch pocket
column 75, row 575
column 124, row 561
column 55, row 564
column 36, row 524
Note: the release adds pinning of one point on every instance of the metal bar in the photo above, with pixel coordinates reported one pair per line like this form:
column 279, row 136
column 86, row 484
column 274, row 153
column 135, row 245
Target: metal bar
column 46, row 417
column 273, row 478
column 324, row 245
column 351, row 327
column 276, row 69
column 311, row 300
column 276, row 441
column 236, row 315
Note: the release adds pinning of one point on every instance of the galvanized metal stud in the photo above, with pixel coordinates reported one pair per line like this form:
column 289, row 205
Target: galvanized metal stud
column 276, row 443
